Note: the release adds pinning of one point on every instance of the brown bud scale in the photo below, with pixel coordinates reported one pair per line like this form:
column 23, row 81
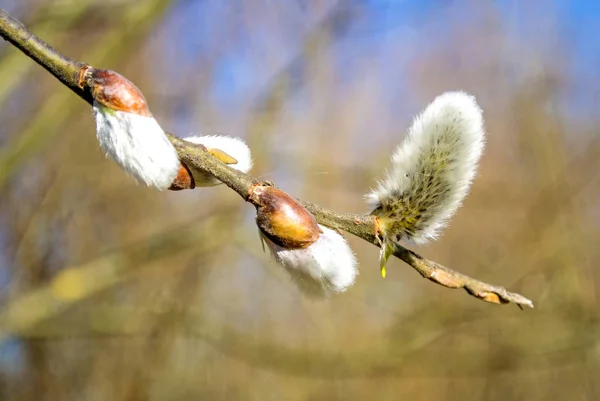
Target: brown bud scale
column 184, row 179
column 282, row 219
column 115, row 91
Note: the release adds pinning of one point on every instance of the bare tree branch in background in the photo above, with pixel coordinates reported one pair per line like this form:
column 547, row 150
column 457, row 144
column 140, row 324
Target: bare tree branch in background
column 197, row 158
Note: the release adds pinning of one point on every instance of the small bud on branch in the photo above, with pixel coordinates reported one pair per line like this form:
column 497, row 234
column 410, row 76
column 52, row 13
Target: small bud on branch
column 114, row 91
column 317, row 258
column 282, row 219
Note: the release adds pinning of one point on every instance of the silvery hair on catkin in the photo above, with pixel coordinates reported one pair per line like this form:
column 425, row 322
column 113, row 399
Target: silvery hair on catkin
column 432, row 169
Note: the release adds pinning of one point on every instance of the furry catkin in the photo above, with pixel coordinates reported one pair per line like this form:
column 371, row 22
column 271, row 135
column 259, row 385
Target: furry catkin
column 431, row 170
column 138, row 144
column 234, row 147
column 325, row 267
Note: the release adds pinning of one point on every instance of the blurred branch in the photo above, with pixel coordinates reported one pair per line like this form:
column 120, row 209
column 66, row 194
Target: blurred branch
column 78, row 283
column 127, row 321
column 415, row 346
column 197, row 158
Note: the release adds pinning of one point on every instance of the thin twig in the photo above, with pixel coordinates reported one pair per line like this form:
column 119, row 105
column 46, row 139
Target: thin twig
column 197, row 158
column 63, row 68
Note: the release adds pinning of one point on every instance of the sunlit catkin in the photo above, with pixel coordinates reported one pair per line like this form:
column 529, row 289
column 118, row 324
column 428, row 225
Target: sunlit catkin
column 127, row 131
column 229, row 150
column 431, row 172
column 317, row 258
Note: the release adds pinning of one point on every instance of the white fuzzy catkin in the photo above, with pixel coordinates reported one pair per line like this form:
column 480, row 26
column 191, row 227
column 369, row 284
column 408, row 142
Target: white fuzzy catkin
column 234, row 147
column 325, row 267
column 138, row 144
column 431, row 170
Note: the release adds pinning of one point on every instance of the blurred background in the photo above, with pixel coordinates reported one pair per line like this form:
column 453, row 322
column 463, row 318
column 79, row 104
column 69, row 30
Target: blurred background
column 112, row 291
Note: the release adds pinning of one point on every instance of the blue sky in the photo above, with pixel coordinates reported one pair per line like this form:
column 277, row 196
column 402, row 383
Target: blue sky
column 383, row 25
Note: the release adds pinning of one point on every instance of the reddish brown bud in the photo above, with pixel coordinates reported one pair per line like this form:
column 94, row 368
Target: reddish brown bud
column 114, row 91
column 184, row 179
column 282, row 219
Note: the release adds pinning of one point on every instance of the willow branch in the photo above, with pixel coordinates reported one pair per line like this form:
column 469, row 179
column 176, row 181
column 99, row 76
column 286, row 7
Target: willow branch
column 196, row 157
column 63, row 68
